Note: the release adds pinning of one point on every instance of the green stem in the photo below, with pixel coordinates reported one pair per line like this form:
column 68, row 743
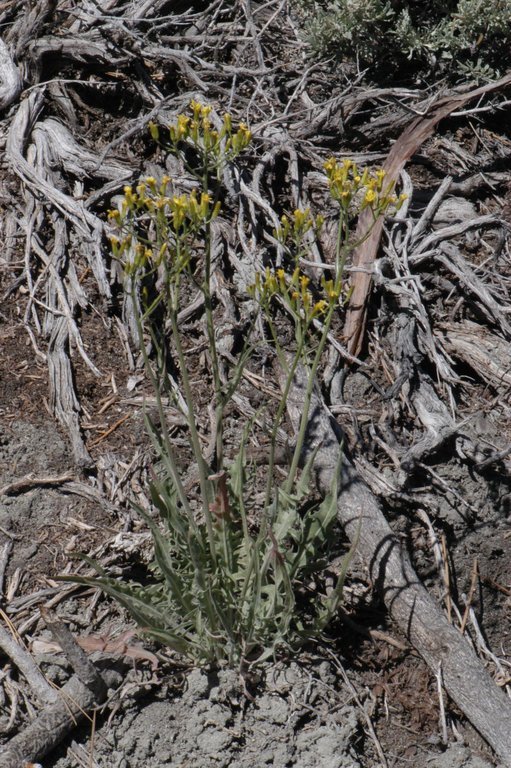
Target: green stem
column 203, row 468
column 171, row 463
column 278, row 418
column 167, row 455
column 340, row 261
column 304, row 421
column 208, row 307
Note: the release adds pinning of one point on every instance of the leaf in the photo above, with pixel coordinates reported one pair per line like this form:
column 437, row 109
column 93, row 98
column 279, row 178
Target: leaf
column 179, row 590
column 144, row 613
column 333, row 600
column 304, row 483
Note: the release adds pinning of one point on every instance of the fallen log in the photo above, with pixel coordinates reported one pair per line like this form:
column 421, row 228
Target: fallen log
column 441, row 645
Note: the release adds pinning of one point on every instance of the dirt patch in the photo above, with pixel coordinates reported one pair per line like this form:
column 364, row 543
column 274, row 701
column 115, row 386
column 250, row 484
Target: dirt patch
column 44, row 514
column 300, row 718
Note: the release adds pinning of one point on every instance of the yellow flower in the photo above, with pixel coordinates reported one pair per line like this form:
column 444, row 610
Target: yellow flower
column 330, row 165
column 239, row 141
column 130, row 198
column 182, row 128
column 196, row 107
column 178, row 206
column 331, row 292
column 320, row 307
column 227, row 123
column 204, row 205
column 154, row 130
column 399, row 202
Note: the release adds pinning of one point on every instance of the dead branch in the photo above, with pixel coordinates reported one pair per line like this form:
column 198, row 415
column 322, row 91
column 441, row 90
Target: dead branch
column 483, row 351
column 51, row 725
column 80, row 662
column 27, row 666
column 31, row 481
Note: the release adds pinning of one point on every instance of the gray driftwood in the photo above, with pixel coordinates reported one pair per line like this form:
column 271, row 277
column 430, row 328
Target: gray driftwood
column 443, row 647
column 10, row 78
column 85, row 690
column 51, row 725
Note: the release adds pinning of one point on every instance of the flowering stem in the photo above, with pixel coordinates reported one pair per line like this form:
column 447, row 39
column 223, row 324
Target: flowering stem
column 168, row 454
column 304, row 421
column 194, row 435
column 340, row 261
column 217, row 383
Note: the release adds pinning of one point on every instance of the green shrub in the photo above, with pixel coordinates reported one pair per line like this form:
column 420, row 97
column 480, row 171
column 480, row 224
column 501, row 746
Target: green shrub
column 400, row 40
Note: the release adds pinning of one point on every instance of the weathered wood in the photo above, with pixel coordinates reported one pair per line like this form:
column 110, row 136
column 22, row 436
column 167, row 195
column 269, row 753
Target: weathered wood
column 490, row 308
column 485, row 352
column 10, row 78
column 51, row 726
column 84, row 668
column 27, row 666
column 409, row 142
column 420, row 618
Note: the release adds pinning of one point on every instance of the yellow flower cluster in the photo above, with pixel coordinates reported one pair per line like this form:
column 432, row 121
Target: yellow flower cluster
column 294, row 291
column 175, row 217
column 347, row 182
column 182, row 211
column 296, row 226
column 332, row 292
column 154, row 225
column 191, row 210
column 200, row 131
